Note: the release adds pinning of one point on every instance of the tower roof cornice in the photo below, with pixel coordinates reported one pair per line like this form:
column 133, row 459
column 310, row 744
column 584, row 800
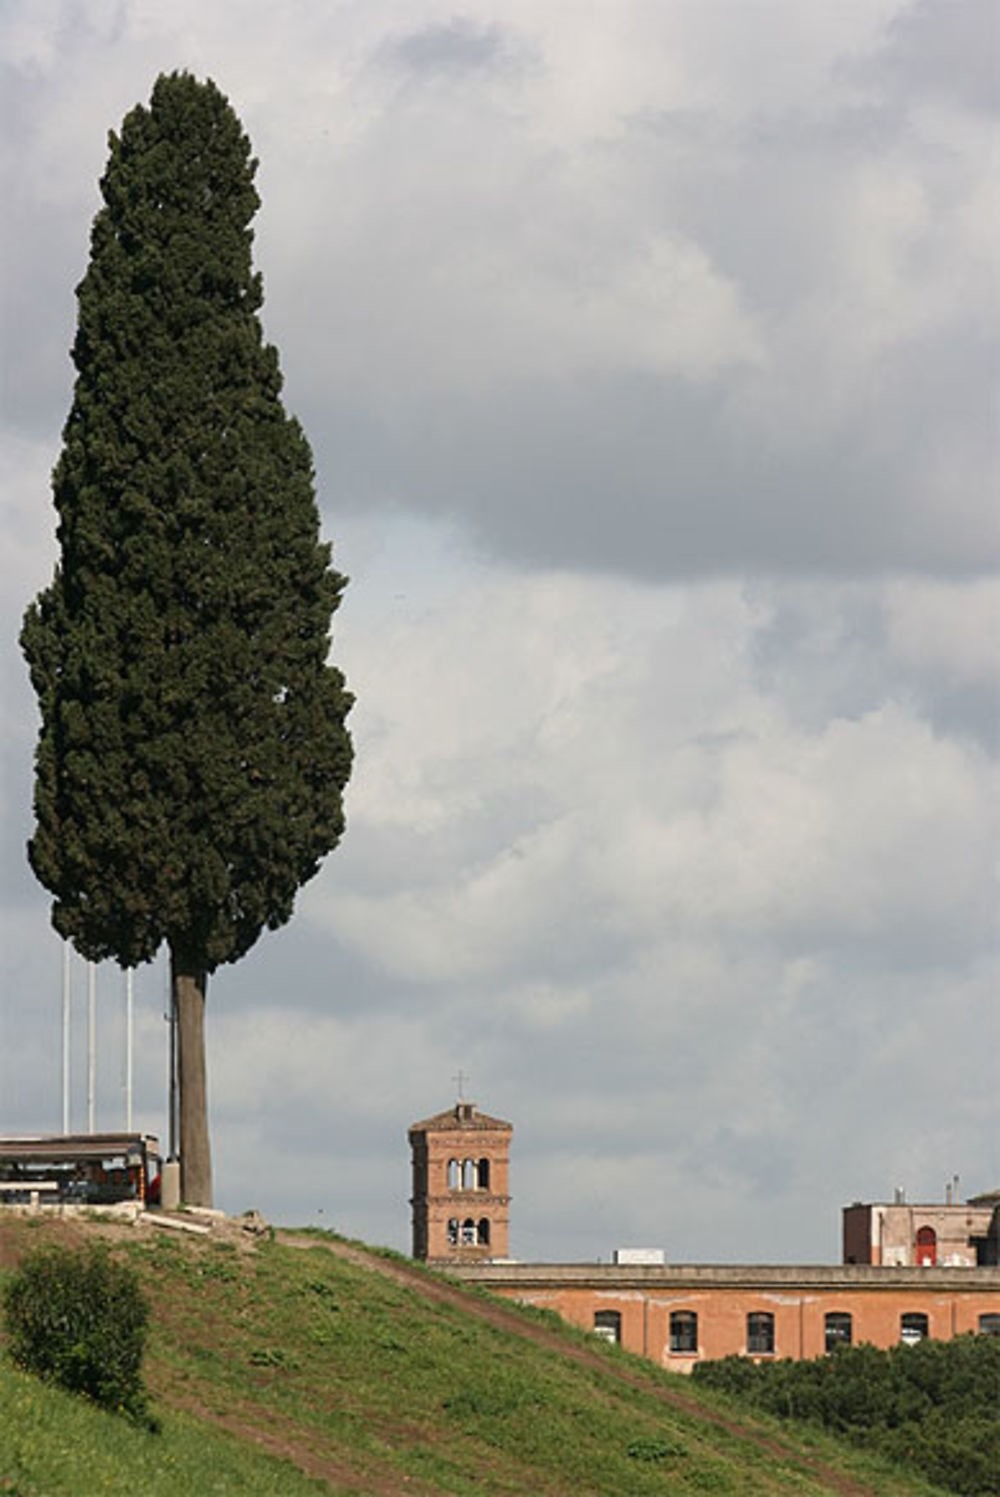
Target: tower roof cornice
column 464, row 1116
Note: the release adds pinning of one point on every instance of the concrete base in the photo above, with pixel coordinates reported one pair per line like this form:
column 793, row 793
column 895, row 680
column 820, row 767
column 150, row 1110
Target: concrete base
column 170, row 1185
column 175, row 1223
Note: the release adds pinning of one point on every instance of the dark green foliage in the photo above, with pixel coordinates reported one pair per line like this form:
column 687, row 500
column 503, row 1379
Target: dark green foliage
column 79, row 1319
column 934, row 1406
column 193, row 752
column 653, row 1450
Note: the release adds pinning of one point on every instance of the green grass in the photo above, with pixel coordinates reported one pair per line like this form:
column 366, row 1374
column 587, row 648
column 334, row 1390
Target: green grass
column 53, row 1444
column 371, row 1387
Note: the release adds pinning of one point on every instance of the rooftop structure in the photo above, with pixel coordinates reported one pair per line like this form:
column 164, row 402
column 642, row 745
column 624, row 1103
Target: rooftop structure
column 898, row 1234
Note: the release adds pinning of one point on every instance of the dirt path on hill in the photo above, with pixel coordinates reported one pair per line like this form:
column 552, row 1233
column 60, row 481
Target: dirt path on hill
column 439, row 1290
column 269, row 1430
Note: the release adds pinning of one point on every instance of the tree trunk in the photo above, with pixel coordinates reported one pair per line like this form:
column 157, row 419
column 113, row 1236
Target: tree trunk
column 196, row 1155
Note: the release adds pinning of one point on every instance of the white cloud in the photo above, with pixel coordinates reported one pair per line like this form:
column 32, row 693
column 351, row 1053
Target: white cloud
column 592, row 769
column 950, row 629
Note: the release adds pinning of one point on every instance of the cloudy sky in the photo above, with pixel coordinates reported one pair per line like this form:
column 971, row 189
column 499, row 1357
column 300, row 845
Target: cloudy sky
column 648, row 353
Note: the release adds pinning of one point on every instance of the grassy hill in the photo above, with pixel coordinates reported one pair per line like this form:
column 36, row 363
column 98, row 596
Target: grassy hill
column 304, row 1364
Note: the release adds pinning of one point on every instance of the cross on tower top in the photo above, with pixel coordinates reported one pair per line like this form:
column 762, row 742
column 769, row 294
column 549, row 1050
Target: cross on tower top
column 460, row 1081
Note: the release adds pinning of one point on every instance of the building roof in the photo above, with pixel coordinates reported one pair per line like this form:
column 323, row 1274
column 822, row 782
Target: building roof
column 763, row 1277
column 987, row 1202
column 464, row 1115
column 60, row 1148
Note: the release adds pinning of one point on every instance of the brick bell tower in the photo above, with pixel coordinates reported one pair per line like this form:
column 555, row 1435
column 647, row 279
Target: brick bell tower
column 461, row 1205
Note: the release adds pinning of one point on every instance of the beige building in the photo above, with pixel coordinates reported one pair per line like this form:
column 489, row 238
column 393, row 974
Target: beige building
column 947, row 1235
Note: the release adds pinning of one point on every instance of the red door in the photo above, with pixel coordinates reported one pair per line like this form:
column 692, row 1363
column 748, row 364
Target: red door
column 926, row 1247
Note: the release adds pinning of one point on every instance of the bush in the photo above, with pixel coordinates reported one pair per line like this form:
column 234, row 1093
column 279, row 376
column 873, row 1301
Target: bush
column 932, row 1406
column 79, row 1319
column 654, row 1450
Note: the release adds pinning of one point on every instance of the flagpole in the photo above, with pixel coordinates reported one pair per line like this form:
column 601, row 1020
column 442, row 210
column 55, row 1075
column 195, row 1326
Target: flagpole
column 91, row 1046
column 129, row 1045
column 65, row 1035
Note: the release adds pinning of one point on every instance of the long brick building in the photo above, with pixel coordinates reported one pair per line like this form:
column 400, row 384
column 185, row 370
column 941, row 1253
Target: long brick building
column 679, row 1315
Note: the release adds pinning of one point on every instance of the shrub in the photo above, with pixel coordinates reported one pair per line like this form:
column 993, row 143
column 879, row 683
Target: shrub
column 79, row 1319
column 932, row 1406
column 654, row 1450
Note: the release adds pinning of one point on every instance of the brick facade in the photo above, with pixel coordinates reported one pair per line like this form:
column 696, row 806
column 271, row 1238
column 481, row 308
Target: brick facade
column 461, row 1200
column 796, row 1312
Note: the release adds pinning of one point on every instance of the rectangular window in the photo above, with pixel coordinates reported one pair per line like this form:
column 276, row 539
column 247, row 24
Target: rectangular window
column 760, row 1333
column 838, row 1329
column 608, row 1323
column 913, row 1327
column 683, row 1330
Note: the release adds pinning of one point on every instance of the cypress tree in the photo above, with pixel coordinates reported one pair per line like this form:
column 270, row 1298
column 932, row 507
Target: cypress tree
column 192, row 753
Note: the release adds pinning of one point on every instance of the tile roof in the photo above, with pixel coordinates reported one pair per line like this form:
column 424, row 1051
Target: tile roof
column 464, row 1115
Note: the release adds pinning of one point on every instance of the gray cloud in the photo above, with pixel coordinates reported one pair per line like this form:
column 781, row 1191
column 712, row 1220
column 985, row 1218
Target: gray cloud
column 947, row 47
column 654, row 337
column 455, row 48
